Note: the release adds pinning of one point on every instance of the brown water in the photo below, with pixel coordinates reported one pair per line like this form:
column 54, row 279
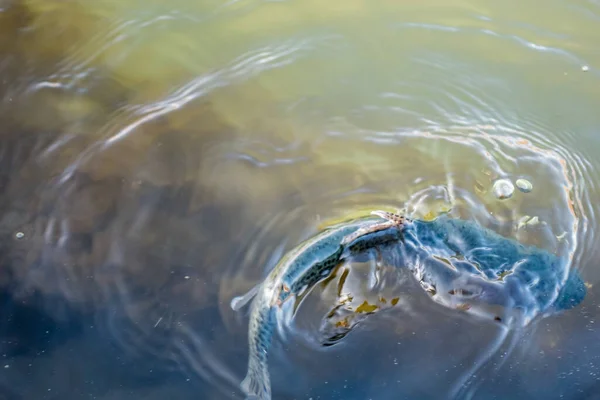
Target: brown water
column 157, row 158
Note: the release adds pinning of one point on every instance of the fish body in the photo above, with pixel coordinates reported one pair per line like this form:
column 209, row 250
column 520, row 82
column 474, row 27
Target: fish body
column 298, row 271
column 463, row 264
column 469, row 265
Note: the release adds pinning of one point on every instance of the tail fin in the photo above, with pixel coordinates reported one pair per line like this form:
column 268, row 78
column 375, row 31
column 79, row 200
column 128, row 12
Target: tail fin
column 257, row 385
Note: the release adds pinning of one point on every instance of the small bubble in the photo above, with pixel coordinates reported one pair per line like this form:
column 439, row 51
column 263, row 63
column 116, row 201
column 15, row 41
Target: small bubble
column 503, row 189
column 6, row 366
column 585, row 68
column 186, row 277
column 19, row 235
column 524, row 185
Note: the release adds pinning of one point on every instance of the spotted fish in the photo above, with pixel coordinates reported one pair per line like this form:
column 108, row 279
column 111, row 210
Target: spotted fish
column 460, row 263
column 296, row 273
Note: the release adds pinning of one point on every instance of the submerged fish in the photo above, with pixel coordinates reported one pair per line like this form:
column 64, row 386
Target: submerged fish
column 460, row 263
column 478, row 270
column 297, row 272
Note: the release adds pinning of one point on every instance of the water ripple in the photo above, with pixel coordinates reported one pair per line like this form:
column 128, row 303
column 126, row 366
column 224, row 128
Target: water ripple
column 577, row 175
column 422, row 162
column 127, row 119
column 469, row 31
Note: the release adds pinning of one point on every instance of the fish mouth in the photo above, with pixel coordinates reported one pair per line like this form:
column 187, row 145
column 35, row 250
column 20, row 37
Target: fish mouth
column 506, row 306
column 485, row 299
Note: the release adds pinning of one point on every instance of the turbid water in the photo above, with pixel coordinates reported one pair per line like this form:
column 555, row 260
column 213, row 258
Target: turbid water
column 158, row 158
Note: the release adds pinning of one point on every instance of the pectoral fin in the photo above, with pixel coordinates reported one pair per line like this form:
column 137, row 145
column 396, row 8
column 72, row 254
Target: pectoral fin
column 240, row 301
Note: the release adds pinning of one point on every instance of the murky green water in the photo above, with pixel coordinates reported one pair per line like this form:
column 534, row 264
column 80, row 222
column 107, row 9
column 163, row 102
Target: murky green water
column 157, row 159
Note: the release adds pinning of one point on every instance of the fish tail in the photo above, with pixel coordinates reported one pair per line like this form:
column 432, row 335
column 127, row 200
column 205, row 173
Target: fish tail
column 257, row 384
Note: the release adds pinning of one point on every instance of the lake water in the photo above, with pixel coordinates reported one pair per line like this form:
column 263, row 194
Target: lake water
column 159, row 157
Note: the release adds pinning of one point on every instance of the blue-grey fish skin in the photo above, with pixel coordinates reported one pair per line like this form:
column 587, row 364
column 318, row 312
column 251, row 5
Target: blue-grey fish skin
column 320, row 268
column 479, row 259
column 301, row 268
column 257, row 383
column 321, row 247
column 534, row 282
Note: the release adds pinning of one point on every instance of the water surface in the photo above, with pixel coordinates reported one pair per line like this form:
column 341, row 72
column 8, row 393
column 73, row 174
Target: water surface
column 158, row 158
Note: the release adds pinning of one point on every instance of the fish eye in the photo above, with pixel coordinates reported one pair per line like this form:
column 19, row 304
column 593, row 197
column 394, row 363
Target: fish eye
column 465, row 292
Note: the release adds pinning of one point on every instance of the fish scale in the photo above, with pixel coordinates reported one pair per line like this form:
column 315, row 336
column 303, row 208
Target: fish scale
column 298, row 271
column 441, row 254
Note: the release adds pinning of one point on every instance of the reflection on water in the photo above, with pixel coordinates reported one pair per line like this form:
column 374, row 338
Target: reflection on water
column 157, row 159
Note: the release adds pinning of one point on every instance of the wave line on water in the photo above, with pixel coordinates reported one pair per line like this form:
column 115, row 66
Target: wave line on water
column 116, row 31
column 127, row 119
column 492, row 33
column 572, row 167
column 483, row 357
column 101, row 41
column 196, row 353
column 462, row 389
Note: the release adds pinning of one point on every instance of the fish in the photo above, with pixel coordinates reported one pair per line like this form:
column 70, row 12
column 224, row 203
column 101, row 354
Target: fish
column 461, row 264
column 295, row 274
column 469, row 267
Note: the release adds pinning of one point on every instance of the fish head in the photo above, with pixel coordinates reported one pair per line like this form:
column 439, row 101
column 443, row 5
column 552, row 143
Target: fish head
column 487, row 300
